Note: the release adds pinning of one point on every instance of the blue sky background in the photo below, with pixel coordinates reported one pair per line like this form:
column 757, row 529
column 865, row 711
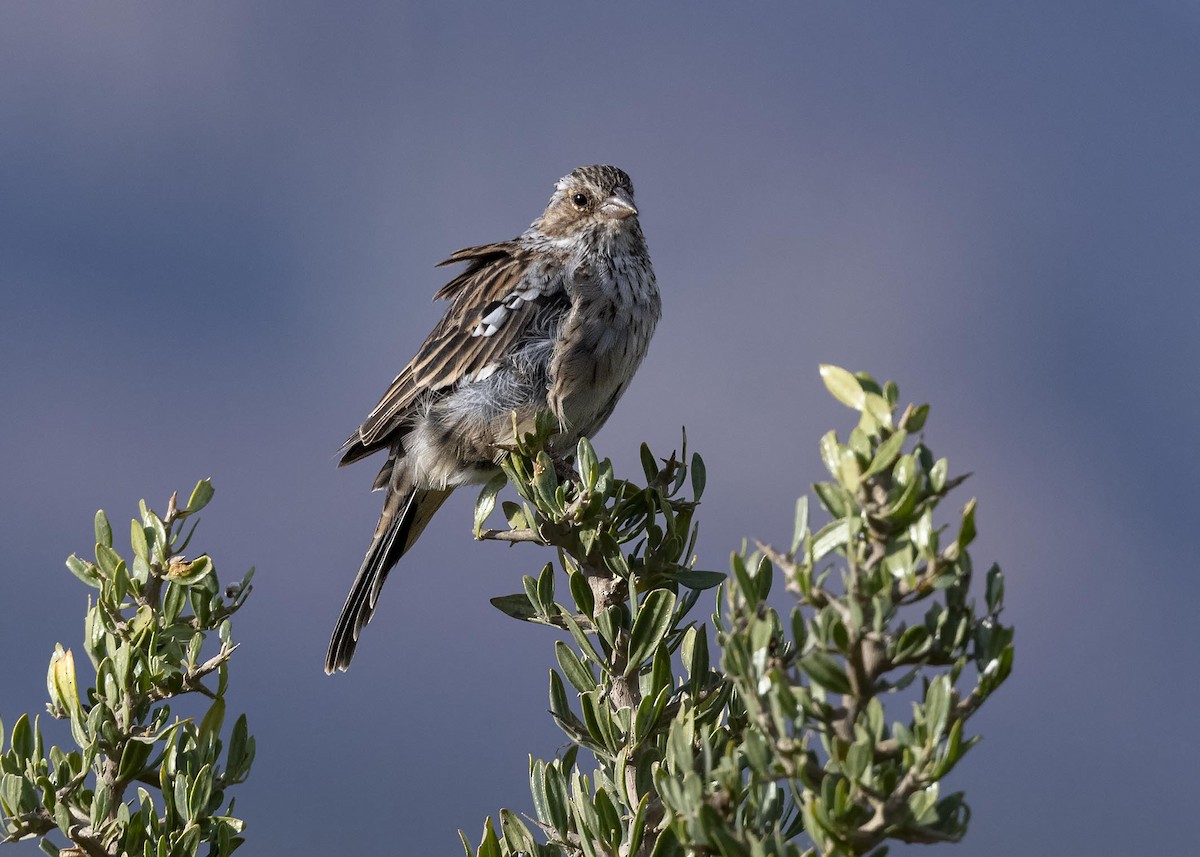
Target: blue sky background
column 218, row 226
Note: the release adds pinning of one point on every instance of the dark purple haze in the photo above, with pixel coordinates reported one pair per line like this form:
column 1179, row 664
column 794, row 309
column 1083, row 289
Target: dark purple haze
column 218, row 226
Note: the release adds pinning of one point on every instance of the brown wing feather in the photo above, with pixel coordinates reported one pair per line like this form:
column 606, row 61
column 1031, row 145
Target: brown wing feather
column 451, row 351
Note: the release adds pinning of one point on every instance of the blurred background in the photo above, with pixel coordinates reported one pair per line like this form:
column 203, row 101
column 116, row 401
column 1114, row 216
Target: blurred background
column 218, row 227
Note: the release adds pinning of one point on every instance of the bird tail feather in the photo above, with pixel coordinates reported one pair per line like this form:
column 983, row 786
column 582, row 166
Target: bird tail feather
column 404, row 518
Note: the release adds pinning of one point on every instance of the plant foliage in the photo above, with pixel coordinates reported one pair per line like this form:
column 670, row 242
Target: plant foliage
column 141, row 780
column 825, row 726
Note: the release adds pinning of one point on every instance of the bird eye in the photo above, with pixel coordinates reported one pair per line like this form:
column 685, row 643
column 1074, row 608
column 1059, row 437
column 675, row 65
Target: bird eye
column 580, row 200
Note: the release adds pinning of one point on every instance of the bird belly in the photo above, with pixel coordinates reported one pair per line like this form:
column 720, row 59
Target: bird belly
column 461, row 432
column 592, row 373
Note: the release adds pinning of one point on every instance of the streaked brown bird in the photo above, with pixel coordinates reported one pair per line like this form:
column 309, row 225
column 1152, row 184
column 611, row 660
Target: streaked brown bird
column 555, row 320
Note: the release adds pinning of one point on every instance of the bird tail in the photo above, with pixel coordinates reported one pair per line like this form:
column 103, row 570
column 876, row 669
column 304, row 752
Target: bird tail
column 404, row 517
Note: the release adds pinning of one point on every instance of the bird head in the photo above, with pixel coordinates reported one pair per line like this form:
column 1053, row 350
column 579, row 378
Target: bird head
column 590, row 199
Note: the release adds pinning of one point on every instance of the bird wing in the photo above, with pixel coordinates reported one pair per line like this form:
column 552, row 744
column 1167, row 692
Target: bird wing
column 491, row 303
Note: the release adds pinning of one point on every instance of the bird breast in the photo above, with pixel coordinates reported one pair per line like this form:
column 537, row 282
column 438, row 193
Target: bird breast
column 615, row 307
column 578, row 361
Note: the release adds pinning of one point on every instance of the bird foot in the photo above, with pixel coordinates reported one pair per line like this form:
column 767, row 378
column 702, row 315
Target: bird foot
column 564, row 468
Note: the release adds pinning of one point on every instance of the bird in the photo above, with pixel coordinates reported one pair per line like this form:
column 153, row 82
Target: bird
column 556, row 320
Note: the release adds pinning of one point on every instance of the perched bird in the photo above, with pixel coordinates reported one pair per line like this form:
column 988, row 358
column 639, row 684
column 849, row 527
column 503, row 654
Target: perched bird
column 555, row 320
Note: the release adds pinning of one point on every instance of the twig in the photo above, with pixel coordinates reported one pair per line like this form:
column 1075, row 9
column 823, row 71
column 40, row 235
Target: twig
column 525, row 535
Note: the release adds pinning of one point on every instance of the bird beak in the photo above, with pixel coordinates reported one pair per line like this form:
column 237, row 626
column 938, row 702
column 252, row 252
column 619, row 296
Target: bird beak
column 619, row 205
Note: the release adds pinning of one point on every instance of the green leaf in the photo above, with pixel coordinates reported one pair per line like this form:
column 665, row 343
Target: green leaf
column 757, row 754
column 913, row 419
column 22, row 739
column 62, row 817
column 580, row 638
column 241, row 751
column 609, row 623
column 610, row 819
column 637, row 827
column 826, row 672
column 490, row 846
column 649, row 710
column 160, row 533
column 667, row 845
column 514, row 514
column 545, row 586
column 545, row 485
column 103, row 529
column 610, row 553
column 832, row 535
column 200, row 792
column 531, row 593
column 108, row 559
column 858, row 757
column 887, row 453
column 486, row 501
column 699, row 476
column 695, row 658
column 517, row 606
column 516, row 835
column 849, row 472
column 843, row 386
column 85, row 571
column 744, row 582
column 586, row 464
column 581, row 593
column 763, row 577
column 587, row 537
column 680, row 746
column 952, row 752
column 921, row 532
column 660, row 670
column 556, row 796
column 905, row 471
column 214, row 719
column 137, row 540
column 966, row 532
column 995, row 589
column 903, row 504
column 134, row 756
column 18, row 794
column 598, row 718
column 937, row 706
column 201, row 494
column 537, row 789
column 173, row 599
column 831, row 452
column 921, row 804
column 799, row 629
column 698, row 580
column 878, row 408
column 61, row 681
column 836, row 499
column 578, row 674
column 937, row 475
column 861, row 442
column 652, row 623
column 649, row 466
column 559, row 706
column 800, row 528
column 913, row 642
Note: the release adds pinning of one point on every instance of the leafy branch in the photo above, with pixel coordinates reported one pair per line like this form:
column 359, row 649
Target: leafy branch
column 786, row 745
column 145, row 634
